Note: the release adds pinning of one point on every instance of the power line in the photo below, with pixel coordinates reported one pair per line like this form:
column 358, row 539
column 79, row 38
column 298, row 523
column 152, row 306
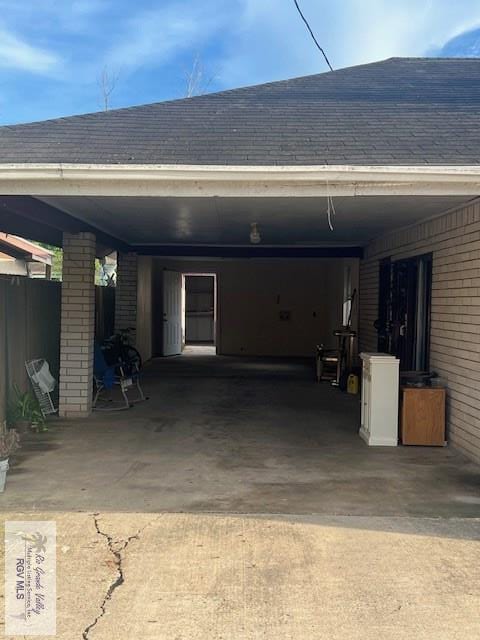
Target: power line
column 312, row 34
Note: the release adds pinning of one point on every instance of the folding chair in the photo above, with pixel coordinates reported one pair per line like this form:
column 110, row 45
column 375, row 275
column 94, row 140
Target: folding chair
column 43, row 384
column 333, row 363
column 106, row 376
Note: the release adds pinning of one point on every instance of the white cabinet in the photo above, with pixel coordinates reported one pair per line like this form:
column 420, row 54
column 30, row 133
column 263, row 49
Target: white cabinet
column 380, row 385
column 199, row 316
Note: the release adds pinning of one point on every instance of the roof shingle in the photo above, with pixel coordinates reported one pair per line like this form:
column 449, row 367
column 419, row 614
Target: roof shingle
column 395, row 112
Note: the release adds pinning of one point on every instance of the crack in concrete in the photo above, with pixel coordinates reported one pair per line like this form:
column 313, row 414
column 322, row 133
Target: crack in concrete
column 116, row 548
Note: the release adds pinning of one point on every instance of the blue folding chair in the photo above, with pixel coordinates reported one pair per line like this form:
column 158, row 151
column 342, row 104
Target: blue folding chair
column 106, row 376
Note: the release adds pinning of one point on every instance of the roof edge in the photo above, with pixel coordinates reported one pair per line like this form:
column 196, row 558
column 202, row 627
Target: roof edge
column 52, row 179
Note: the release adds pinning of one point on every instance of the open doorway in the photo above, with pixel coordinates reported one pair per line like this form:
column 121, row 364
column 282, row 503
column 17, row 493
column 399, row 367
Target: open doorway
column 200, row 312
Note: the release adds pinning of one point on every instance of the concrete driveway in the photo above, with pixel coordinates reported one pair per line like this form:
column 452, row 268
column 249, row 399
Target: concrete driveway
column 212, row 577
column 242, row 505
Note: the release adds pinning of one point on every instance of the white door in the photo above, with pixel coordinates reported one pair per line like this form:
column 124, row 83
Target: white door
column 172, row 313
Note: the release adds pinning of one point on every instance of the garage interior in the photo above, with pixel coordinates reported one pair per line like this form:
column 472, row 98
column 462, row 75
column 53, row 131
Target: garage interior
column 263, row 307
column 279, row 297
column 247, row 428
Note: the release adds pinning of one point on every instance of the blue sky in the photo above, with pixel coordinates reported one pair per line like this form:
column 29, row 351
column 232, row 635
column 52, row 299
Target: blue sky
column 52, row 52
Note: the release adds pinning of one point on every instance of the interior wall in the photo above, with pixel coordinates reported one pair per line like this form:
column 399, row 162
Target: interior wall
column 454, row 241
column 144, row 336
column 269, row 307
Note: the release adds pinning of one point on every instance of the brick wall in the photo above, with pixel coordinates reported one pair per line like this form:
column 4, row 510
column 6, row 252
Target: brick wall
column 126, row 292
column 454, row 240
column 144, row 311
column 77, row 324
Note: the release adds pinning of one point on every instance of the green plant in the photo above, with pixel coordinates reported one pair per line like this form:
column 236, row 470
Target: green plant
column 9, row 442
column 24, row 407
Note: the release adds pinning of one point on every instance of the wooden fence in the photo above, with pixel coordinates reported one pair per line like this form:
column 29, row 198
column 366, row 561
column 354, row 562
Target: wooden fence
column 30, row 327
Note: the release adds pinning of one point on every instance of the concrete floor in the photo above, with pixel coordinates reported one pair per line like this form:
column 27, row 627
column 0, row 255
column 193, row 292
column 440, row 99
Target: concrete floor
column 316, row 535
column 224, row 577
column 235, row 435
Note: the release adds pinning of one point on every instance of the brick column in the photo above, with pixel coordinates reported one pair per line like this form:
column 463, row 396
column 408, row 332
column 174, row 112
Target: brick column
column 78, row 325
column 126, row 293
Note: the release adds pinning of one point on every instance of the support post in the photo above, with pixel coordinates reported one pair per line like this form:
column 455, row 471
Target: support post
column 78, row 325
column 126, row 293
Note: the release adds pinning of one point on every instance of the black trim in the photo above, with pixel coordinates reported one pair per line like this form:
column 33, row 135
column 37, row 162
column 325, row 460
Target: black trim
column 12, row 222
column 216, row 251
column 48, row 220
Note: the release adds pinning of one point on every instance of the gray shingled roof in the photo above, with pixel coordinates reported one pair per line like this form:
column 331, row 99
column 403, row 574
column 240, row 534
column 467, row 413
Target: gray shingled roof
column 399, row 111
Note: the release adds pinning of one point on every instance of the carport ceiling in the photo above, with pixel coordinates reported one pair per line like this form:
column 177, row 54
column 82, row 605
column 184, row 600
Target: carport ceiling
column 226, row 221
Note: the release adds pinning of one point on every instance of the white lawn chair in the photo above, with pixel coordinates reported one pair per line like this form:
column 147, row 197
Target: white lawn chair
column 43, row 384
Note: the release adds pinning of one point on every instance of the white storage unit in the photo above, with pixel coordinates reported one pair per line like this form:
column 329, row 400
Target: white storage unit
column 199, row 327
column 199, row 309
column 380, row 388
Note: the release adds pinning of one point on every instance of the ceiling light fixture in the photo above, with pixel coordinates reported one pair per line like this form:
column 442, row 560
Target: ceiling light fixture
column 255, row 236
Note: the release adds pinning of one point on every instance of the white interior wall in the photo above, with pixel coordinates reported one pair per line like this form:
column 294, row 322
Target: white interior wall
column 253, row 294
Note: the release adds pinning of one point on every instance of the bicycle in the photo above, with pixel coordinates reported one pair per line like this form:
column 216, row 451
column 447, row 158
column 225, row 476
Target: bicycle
column 118, row 350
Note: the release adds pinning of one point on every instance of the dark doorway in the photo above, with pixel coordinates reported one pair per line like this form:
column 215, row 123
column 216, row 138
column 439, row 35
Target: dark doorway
column 199, row 309
column 403, row 323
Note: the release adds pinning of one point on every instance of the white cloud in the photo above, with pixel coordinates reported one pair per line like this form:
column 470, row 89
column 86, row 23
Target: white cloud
column 270, row 41
column 16, row 53
column 155, row 36
column 381, row 29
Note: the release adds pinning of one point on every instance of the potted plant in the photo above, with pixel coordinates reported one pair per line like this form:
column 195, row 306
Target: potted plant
column 24, row 411
column 9, row 443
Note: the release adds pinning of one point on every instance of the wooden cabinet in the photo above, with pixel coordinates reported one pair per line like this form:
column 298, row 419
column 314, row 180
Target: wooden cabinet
column 422, row 416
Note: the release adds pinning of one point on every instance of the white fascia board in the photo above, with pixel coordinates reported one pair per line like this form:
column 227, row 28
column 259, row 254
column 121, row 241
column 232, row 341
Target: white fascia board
column 236, row 181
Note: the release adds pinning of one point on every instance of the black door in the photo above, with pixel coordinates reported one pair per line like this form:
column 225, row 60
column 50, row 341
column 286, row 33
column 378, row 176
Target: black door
column 383, row 325
column 404, row 311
